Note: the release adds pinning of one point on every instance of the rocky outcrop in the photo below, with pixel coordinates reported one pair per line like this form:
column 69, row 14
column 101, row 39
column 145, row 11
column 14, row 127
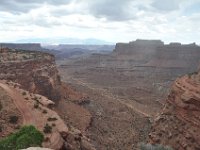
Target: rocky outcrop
column 179, row 123
column 37, row 110
column 35, row 71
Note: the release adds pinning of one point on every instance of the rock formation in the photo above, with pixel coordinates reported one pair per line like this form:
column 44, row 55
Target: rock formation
column 37, row 110
column 22, row 75
column 22, row 46
column 137, row 46
column 154, row 53
column 176, row 55
column 179, row 123
column 35, row 71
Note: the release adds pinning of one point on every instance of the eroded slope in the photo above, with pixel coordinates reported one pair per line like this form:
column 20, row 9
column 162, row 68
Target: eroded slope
column 179, row 123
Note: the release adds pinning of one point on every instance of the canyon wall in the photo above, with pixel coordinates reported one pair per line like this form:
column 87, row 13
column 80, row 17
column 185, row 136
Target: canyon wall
column 178, row 125
column 177, row 56
column 154, row 53
column 137, row 46
column 35, row 71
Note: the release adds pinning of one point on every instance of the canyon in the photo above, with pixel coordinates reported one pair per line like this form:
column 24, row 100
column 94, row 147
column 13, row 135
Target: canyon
column 104, row 99
column 128, row 87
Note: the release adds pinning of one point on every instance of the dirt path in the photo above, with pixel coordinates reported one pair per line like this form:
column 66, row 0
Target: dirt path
column 19, row 101
column 34, row 117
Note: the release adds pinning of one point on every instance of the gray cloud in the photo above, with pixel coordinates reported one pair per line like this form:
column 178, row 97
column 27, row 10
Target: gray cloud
column 112, row 9
column 166, row 5
column 23, row 6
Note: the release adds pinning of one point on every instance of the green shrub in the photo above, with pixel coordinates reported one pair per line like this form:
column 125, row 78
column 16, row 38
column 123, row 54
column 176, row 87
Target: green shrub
column 154, row 147
column 27, row 136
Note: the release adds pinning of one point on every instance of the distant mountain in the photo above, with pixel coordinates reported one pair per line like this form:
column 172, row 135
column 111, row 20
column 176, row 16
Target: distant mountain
column 90, row 41
column 70, row 50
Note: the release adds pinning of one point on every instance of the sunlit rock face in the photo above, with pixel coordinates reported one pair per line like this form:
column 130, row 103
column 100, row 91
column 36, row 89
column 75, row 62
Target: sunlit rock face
column 35, row 71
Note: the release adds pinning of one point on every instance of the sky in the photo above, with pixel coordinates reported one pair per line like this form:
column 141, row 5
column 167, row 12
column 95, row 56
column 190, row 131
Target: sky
column 104, row 20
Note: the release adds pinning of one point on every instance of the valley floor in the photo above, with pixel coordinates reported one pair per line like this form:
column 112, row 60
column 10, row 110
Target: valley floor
column 116, row 123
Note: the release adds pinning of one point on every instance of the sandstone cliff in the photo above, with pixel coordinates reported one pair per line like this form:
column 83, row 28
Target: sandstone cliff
column 137, row 46
column 179, row 123
column 176, row 55
column 155, row 54
column 35, row 71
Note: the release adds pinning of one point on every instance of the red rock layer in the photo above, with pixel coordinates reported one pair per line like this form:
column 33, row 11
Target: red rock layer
column 38, row 75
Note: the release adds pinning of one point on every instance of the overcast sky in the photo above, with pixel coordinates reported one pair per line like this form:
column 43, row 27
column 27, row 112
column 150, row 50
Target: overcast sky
column 108, row 20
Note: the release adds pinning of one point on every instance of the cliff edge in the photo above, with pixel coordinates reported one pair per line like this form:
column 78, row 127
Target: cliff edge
column 179, row 123
column 35, row 71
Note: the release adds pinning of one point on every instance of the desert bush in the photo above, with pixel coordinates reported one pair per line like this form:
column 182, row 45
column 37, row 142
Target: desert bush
column 13, row 119
column 47, row 129
column 25, row 57
column 52, row 119
column 192, row 73
column 44, row 111
column 24, row 93
column 154, row 147
column 36, row 105
column 27, row 136
column 1, row 106
column 1, row 128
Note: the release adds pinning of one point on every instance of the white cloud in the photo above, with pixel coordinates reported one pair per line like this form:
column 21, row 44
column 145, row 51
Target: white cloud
column 109, row 20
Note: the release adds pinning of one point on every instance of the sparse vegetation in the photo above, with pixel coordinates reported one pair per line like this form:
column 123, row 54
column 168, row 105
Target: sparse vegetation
column 15, row 85
column 44, row 111
column 13, row 119
column 23, row 93
column 1, row 106
column 47, row 129
column 52, row 119
column 25, row 57
column 36, row 105
column 154, row 147
column 27, row 136
column 193, row 73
